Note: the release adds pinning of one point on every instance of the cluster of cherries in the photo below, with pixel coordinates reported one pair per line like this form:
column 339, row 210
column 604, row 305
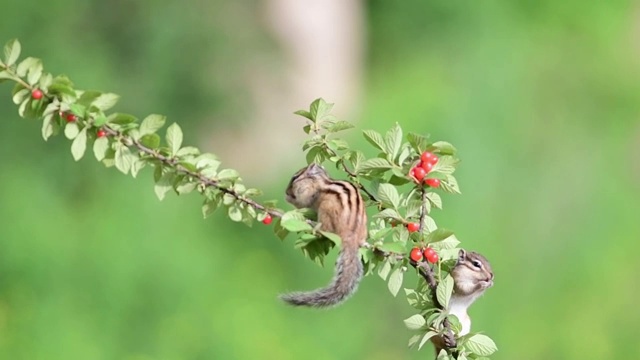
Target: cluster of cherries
column 418, row 172
column 428, row 253
column 37, row 94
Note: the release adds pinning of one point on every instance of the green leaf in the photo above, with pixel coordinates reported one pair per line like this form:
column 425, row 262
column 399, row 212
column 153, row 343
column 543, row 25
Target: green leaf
column 388, row 194
column 71, row 130
column 121, row 119
column 24, row 66
column 375, row 139
column 11, row 52
column 5, row 76
column 23, row 106
column 438, row 235
column 305, row 114
column 100, row 147
column 105, row 101
column 164, row 184
column 174, row 138
column 375, row 163
column 444, row 148
column 209, row 207
column 295, row 225
column 188, row 151
column 384, row 270
column 35, row 72
column 335, row 238
column 387, row 213
column 319, row 109
column 393, row 141
column 47, row 127
column 79, row 145
column 435, row 199
column 450, row 185
column 124, row 159
column 395, row 281
column 418, row 142
column 20, row 96
column 396, row 247
column 451, row 242
column 228, row 174
column 235, row 214
column 480, row 344
column 99, row 120
column 428, row 335
column 415, row 322
column 152, row 141
column 444, row 290
column 339, row 125
column 151, row 124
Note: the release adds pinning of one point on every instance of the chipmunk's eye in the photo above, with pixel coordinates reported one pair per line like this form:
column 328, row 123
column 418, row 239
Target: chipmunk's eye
column 477, row 264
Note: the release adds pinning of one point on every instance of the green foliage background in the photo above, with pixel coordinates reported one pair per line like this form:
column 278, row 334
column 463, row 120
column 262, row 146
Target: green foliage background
column 542, row 99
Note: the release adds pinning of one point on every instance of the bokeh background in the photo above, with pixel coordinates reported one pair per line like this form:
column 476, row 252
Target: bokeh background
column 542, row 99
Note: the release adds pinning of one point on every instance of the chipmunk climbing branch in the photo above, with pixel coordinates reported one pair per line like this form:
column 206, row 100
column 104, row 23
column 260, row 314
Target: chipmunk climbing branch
column 402, row 183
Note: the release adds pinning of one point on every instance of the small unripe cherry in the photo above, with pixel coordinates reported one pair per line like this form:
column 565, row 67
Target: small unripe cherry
column 37, row 94
column 413, row 227
column 419, row 173
column 426, row 166
column 267, row 219
column 433, row 182
column 101, row 133
column 416, row 254
column 71, row 117
column 429, row 157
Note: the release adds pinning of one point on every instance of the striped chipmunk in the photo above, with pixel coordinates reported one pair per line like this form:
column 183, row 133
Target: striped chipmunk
column 472, row 275
column 340, row 210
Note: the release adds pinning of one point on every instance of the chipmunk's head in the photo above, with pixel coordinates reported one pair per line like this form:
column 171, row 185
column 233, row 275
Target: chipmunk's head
column 472, row 274
column 303, row 189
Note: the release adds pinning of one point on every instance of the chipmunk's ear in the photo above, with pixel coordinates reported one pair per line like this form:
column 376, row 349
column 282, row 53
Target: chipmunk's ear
column 462, row 255
column 315, row 169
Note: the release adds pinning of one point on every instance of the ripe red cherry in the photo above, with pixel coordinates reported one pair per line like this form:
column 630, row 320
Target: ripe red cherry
column 37, row 94
column 416, row 254
column 71, row 117
column 267, row 220
column 433, row 182
column 429, row 157
column 418, row 173
column 101, row 133
column 426, row 166
column 413, row 227
column 431, row 256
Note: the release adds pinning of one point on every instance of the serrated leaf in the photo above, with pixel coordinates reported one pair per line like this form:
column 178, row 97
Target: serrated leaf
column 438, row 235
column 338, row 126
column 384, row 270
column 163, row 185
column 444, row 290
column 319, row 109
column 395, row 281
column 450, row 242
column 396, row 247
column 375, row 163
column 151, row 124
column 295, row 225
column 418, row 142
column 47, row 127
column 79, row 145
column 374, row 138
column 124, row 159
column 450, row 185
column 435, row 199
column 152, row 141
column 335, row 238
column 100, row 147
column 426, row 337
column 227, row 174
column 387, row 213
column 174, row 138
column 415, row 322
column 388, row 194
column 71, row 130
column 480, row 344
column 11, row 52
column 393, row 141
column 105, row 101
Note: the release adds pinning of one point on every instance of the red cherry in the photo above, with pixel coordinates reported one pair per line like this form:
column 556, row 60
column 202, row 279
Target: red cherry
column 71, row 117
column 419, row 173
column 433, row 182
column 267, row 220
column 413, row 227
column 37, row 94
column 101, row 133
column 416, row 254
column 426, row 166
column 429, row 157
column 428, row 251
column 432, row 257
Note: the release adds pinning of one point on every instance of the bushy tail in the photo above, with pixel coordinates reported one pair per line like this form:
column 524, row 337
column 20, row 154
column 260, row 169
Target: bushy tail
column 345, row 282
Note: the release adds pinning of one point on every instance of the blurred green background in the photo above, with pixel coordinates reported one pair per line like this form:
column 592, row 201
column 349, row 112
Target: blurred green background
column 542, row 99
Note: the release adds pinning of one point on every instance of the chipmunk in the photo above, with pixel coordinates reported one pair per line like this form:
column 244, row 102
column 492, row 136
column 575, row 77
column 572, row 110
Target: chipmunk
column 340, row 210
column 472, row 275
